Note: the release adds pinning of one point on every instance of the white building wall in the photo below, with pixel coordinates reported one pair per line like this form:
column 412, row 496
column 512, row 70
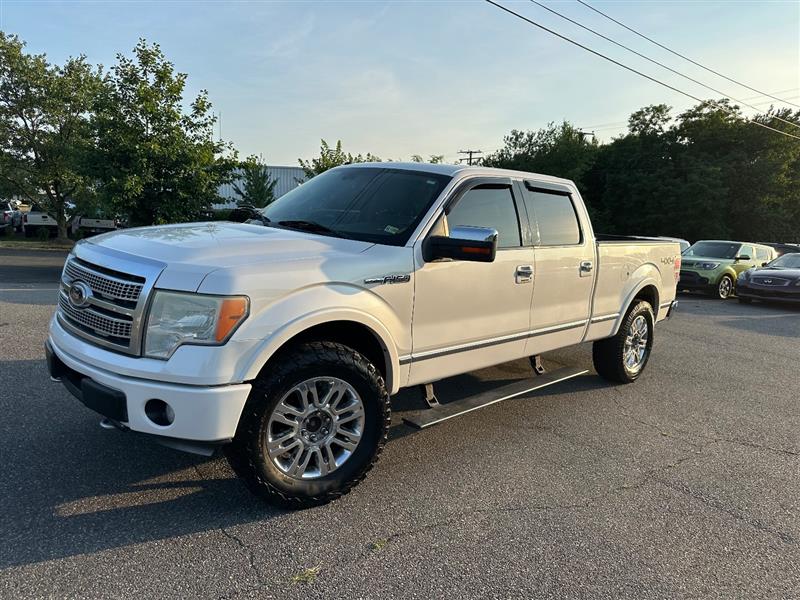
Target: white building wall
column 288, row 179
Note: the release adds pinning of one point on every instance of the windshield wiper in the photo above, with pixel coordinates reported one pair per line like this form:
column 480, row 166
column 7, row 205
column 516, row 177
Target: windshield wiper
column 311, row 226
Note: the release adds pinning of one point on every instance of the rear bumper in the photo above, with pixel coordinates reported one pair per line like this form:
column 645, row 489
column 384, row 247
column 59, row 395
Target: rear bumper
column 206, row 414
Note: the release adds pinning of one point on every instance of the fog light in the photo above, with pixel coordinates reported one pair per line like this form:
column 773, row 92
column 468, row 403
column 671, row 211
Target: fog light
column 159, row 412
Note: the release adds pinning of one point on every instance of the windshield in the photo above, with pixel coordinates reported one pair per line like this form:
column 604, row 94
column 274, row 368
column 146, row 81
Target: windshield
column 364, row 203
column 787, row 261
column 714, row 249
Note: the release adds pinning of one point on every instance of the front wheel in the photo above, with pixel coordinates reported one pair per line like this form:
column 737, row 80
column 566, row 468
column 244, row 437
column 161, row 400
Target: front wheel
column 314, row 424
column 725, row 287
column 622, row 358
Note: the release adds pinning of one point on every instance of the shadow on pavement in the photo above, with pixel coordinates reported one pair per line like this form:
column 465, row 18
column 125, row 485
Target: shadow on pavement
column 70, row 488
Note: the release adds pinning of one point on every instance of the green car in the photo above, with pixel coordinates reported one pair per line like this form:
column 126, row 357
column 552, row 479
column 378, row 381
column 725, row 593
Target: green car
column 714, row 265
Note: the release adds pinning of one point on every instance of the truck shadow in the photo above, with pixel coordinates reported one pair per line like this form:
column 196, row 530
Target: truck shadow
column 70, row 488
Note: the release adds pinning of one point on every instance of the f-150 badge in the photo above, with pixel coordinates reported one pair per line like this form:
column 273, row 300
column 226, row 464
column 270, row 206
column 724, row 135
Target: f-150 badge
column 389, row 279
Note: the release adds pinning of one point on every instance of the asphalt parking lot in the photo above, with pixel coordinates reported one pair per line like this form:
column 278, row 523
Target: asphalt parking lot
column 684, row 484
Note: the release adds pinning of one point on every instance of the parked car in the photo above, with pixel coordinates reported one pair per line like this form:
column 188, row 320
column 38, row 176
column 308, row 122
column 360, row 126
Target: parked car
column 784, row 248
column 36, row 218
column 779, row 280
column 90, row 225
column 713, row 266
column 10, row 216
column 283, row 342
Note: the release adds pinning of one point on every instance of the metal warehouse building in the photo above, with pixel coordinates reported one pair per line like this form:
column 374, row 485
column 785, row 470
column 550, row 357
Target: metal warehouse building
column 288, row 178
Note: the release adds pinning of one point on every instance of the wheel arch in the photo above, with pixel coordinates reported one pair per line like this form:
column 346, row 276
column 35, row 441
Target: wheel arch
column 646, row 290
column 359, row 331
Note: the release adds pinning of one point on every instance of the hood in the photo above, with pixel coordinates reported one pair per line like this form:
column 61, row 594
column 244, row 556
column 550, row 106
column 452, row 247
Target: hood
column 791, row 274
column 190, row 251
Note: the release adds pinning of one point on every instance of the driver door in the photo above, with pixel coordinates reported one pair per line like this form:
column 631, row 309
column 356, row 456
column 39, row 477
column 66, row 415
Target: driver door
column 470, row 315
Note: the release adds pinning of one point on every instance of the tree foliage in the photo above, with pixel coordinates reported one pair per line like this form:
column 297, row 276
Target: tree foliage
column 706, row 173
column 156, row 162
column 255, row 186
column 332, row 157
column 45, row 135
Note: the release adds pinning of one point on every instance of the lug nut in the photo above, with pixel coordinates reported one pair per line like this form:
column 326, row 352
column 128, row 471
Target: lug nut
column 324, row 432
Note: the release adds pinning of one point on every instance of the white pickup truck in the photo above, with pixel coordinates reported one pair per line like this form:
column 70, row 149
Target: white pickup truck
column 283, row 341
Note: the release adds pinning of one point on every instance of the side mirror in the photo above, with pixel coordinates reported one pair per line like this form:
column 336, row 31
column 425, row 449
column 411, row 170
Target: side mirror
column 477, row 244
column 742, row 257
column 764, row 264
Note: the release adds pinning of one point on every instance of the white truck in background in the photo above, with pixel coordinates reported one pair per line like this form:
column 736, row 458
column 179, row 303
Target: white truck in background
column 282, row 342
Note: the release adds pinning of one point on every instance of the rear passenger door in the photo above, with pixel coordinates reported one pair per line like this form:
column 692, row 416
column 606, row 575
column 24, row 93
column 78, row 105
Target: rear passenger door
column 564, row 267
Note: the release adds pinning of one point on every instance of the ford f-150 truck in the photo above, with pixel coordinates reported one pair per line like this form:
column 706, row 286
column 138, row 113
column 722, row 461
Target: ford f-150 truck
column 283, row 340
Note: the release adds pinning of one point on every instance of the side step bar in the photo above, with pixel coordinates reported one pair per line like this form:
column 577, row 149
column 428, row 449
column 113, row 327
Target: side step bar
column 445, row 411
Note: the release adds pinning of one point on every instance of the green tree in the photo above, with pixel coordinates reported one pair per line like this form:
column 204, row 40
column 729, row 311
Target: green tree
column 45, row 138
column 156, row 161
column 559, row 150
column 332, row 157
column 257, row 187
column 434, row 159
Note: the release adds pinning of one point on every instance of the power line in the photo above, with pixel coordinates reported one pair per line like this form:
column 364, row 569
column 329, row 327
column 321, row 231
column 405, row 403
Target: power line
column 631, row 69
column 694, row 62
column 660, row 64
column 470, row 153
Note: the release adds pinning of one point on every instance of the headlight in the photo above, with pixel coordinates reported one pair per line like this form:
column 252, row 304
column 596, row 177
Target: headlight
column 707, row 266
column 178, row 318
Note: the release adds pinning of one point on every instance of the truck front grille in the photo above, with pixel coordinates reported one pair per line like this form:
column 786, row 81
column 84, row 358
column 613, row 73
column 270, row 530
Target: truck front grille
column 97, row 323
column 104, row 284
column 112, row 311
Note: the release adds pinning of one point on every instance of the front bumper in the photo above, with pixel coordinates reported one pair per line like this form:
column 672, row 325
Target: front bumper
column 206, row 414
column 776, row 294
column 690, row 280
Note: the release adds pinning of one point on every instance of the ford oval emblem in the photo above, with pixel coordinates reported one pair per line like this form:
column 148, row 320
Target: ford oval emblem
column 79, row 294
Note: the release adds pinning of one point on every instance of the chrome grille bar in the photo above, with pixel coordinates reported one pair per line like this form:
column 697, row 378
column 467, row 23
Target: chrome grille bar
column 96, row 321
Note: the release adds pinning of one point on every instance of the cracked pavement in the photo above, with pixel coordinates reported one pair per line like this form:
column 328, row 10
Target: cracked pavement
column 684, row 484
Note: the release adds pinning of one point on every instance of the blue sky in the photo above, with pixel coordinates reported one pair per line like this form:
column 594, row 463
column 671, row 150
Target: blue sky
column 421, row 77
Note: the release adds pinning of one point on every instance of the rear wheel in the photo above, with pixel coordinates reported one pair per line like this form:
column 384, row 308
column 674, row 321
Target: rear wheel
column 314, row 424
column 622, row 358
column 725, row 287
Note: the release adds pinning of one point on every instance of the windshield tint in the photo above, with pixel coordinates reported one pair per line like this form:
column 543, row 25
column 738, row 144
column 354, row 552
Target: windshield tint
column 713, row 249
column 787, row 261
column 370, row 204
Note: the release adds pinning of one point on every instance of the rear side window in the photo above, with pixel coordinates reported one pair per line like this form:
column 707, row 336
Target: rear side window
column 762, row 254
column 746, row 251
column 488, row 206
column 554, row 216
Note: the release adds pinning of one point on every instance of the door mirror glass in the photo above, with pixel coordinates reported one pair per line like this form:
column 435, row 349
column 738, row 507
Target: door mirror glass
column 477, row 244
column 743, row 257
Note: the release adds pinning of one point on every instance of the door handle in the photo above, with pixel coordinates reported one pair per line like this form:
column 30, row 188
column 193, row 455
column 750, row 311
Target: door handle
column 586, row 268
column 523, row 274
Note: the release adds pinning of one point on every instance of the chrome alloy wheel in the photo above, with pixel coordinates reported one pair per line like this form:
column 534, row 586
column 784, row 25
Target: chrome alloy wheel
column 315, row 428
column 636, row 349
column 725, row 287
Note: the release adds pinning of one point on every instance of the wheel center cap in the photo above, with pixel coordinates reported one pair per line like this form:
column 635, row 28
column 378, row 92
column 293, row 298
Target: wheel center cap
column 316, row 427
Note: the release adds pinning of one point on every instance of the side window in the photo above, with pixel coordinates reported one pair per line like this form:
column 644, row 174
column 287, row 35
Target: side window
column 762, row 254
column 555, row 217
column 488, row 206
column 747, row 251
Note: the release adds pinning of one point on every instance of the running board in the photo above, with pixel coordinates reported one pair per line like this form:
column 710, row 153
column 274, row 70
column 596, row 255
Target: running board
column 445, row 411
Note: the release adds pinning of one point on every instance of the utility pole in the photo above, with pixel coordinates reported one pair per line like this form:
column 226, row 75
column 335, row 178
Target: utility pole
column 470, row 154
column 586, row 134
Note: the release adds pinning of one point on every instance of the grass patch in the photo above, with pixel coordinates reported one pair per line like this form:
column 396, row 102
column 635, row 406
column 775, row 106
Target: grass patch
column 306, row 575
column 18, row 240
column 378, row 545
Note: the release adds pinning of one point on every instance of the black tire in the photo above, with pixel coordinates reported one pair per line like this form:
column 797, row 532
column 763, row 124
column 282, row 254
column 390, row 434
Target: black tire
column 248, row 456
column 725, row 287
column 608, row 354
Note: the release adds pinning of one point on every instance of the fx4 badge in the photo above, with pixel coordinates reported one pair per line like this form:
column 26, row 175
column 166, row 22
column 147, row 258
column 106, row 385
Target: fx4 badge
column 389, row 279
